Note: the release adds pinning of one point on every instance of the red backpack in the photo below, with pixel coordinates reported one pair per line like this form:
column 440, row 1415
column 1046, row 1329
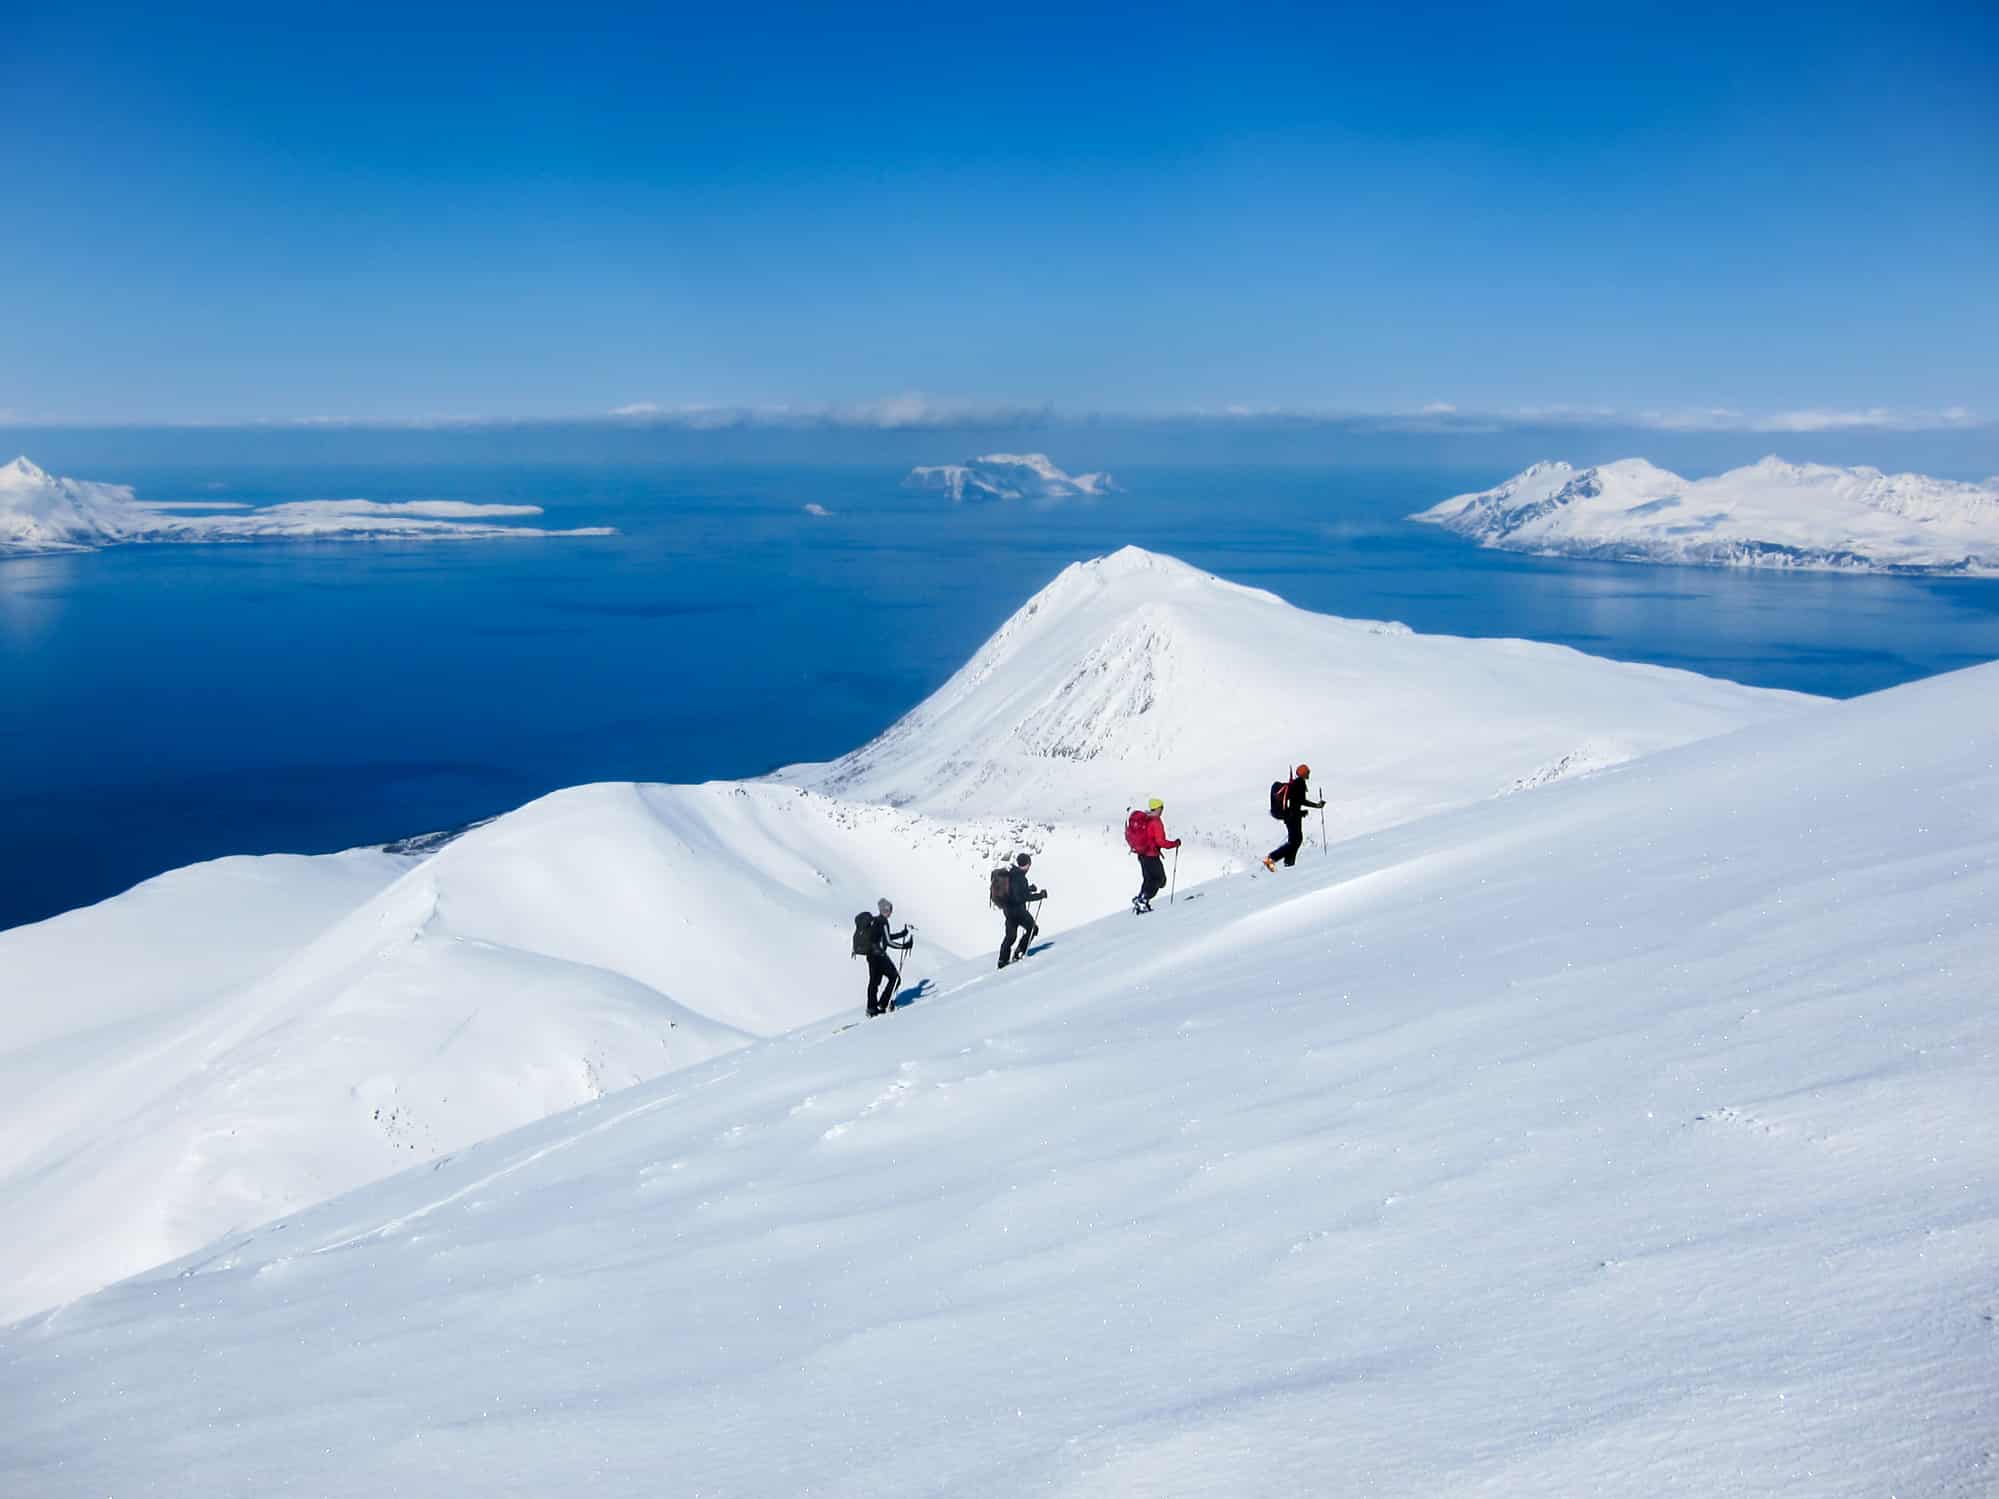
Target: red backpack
column 1138, row 833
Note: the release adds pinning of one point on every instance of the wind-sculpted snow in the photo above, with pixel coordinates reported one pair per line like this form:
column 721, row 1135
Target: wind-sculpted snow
column 1629, row 1137
column 1770, row 514
column 40, row 513
column 609, row 934
column 1007, row 476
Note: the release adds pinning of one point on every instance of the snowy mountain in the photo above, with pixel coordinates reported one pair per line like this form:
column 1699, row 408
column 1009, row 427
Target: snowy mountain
column 1136, row 675
column 173, row 1075
column 40, row 513
column 1007, row 476
column 1770, row 514
column 1629, row 1137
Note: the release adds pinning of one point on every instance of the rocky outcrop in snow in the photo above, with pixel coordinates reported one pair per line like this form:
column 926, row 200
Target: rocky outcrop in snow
column 41, row 513
column 1007, row 476
column 1769, row 514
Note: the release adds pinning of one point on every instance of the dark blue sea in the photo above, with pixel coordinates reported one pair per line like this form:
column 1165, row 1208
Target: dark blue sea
column 168, row 704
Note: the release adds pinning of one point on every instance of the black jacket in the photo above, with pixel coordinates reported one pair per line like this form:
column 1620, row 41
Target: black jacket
column 1019, row 891
column 1298, row 799
column 883, row 939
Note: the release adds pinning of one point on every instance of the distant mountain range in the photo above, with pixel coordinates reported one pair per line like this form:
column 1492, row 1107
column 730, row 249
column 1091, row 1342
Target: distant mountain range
column 41, row 513
column 1769, row 514
column 1007, row 476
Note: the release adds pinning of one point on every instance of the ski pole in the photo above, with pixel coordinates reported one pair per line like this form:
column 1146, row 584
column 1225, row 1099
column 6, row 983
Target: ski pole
column 1325, row 848
column 1173, row 893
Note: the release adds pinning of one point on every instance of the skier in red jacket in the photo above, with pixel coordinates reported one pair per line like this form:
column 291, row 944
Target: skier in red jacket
column 1145, row 835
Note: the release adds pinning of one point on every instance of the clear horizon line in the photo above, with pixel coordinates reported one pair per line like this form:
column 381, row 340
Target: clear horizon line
column 917, row 413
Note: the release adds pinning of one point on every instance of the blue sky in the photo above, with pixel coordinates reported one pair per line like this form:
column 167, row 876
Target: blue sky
column 388, row 214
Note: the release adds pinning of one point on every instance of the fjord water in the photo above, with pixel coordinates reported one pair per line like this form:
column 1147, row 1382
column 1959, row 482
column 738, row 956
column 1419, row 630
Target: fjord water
column 174, row 703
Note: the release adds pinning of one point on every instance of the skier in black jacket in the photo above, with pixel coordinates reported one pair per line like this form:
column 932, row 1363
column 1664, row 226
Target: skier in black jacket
column 881, row 971
column 1297, row 797
column 1019, row 891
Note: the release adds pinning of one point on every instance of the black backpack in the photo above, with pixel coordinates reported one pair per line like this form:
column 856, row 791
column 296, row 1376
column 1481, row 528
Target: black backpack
column 1280, row 799
column 999, row 890
column 864, row 933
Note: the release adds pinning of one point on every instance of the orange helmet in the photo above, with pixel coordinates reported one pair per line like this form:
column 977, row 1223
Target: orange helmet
column 1304, row 771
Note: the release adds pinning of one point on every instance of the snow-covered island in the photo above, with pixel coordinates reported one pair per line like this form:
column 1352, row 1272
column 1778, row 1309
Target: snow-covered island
column 1007, row 476
column 41, row 513
column 1593, row 1137
column 1769, row 514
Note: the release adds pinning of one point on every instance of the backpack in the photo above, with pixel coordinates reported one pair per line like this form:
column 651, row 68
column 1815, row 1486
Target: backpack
column 999, row 890
column 1280, row 799
column 864, row 933
column 1138, row 833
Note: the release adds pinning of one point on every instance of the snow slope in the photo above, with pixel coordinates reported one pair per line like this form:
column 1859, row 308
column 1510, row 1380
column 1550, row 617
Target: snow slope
column 1770, row 514
column 1007, row 476
column 1136, row 675
column 1632, row 1137
column 608, row 934
column 41, row 513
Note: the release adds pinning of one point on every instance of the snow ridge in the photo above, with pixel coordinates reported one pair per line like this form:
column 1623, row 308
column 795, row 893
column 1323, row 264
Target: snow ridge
column 1768, row 514
column 1140, row 675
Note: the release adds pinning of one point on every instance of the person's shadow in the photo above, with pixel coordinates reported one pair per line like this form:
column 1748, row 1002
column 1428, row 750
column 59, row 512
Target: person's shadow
column 910, row 995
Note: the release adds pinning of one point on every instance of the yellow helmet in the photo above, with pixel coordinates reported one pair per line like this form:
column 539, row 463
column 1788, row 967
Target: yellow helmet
column 1155, row 805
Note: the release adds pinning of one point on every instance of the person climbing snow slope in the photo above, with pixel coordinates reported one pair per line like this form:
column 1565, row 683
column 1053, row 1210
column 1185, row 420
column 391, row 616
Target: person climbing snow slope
column 1289, row 803
column 1145, row 835
column 874, row 941
column 1015, row 894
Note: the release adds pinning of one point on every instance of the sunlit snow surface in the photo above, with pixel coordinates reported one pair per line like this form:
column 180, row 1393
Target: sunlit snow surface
column 182, row 1064
column 40, row 512
column 1769, row 514
column 1630, row 1136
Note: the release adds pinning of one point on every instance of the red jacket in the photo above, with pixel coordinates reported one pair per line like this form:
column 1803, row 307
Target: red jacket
column 1154, row 836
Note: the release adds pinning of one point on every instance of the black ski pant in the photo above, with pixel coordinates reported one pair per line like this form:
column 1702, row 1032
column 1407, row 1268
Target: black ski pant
column 1152, row 876
column 1017, row 920
column 882, row 976
column 1294, row 828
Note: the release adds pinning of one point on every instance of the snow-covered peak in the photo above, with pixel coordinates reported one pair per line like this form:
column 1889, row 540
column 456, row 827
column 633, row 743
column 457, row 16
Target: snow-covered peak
column 1134, row 673
column 1770, row 513
column 1130, row 567
column 42, row 513
column 1007, row 476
